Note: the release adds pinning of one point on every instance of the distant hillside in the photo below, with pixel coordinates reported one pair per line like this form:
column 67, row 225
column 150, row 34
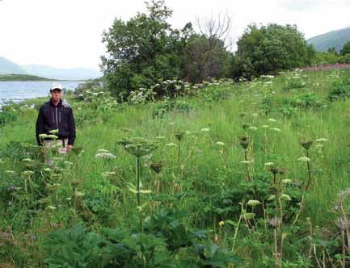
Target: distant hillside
column 8, row 67
column 331, row 39
column 22, row 77
column 62, row 74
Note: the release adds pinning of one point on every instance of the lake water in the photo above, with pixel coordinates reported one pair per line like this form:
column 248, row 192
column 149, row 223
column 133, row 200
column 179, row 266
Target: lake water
column 17, row 91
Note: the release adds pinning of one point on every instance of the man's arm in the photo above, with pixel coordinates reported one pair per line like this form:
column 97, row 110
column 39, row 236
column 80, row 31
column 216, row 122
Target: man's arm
column 71, row 125
column 40, row 125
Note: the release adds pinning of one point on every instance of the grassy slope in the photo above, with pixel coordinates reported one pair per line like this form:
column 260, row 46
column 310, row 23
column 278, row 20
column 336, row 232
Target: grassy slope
column 204, row 161
column 22, row 77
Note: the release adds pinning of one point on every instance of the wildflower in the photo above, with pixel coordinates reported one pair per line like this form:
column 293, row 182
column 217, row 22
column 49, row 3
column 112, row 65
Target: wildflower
column 54, row 131
column 221, row 223
column 252, row 128
column 102, row 151
column 253, row 203
column 108, row 173
column 68, row 163
column 10, row 172
column 27, row 173
column 269, row 164
column 105, row 156
column 79, row 194
column 205, row 129
column 276, row 129
column 179, row 135
column 160, row 137
column 244, row 142
column 342, row 195
column 287, row 181
column 321, row 140
column 247, row 162
column 265, row 126
column 47, row 169
column 274, row 222
column 27, row 160
column 156, row 167
column 273, row 170
column 272, row 120
column 171, row 145
column 254, row 114
column 51, row 208
column 219, row 143
column 342, row 223
column 286, row 197
column 304, row 159
column 306, row 144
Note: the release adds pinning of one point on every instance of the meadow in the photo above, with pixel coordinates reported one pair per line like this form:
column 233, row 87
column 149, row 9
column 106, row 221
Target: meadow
column 219, row 174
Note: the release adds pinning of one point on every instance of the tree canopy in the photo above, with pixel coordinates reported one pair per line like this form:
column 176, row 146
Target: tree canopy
column 270, row 49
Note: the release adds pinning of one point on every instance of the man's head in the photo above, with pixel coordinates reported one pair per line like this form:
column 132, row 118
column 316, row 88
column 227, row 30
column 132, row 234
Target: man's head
column 56, row 92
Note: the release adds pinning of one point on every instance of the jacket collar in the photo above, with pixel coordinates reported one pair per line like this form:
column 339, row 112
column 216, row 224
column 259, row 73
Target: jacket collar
column 59, row 103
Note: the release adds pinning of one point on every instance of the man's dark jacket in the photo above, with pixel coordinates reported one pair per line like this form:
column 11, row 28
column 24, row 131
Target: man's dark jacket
column 53, row 117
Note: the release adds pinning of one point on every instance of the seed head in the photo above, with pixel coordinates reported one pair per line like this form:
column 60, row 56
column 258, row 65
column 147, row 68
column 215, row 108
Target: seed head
column 274, row 222
column 306, row 144
column 156, row 167
column 244, row 142
column 274, row 170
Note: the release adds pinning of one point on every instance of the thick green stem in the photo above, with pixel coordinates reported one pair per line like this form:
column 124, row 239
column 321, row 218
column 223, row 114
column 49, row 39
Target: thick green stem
column 138, row 189
column 138, row 180
column 246, row 159
column 309, row 171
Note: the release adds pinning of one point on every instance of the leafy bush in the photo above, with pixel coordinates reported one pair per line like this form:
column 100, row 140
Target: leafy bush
column 7, row 117
column 340, row 90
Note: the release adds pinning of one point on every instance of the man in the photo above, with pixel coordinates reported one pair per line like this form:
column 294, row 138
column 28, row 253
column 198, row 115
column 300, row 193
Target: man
column 56, row 116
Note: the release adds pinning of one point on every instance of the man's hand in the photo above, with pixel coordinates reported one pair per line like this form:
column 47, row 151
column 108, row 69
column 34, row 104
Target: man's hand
column 69, row 148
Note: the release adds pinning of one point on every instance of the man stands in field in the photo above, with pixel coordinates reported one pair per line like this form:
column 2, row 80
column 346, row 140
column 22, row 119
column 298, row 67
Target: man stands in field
column 56, row 118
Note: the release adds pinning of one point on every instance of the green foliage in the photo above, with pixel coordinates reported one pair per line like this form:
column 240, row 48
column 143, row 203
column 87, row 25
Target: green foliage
column 339, row 90
column 141, row 51
column 270, row 49
column 345, row 49
column 161, row 109
column 7, row 117
column 77, row 248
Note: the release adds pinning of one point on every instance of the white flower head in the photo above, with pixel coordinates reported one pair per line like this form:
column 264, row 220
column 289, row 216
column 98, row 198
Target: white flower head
column 105, row 156
column 304, row 159
column 219, row 143
column 272, row 120
column 205, row 129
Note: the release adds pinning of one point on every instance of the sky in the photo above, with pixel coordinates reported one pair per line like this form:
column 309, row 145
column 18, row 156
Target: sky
column 68, row 33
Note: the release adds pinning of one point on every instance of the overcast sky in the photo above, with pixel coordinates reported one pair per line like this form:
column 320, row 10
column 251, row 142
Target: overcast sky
column 67, row 33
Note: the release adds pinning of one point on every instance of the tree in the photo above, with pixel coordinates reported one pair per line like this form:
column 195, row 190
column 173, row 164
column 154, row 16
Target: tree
column 142, row 51
column 270, row 49
column 345, row 49
column 206, row 54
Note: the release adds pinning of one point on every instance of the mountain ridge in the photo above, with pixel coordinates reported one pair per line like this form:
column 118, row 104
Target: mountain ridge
column 45, row 71
column 336, row 38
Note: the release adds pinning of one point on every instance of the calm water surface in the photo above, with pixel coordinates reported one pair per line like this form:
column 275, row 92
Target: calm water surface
column 17, row 91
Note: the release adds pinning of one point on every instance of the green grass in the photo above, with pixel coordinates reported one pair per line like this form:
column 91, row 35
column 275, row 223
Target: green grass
column 208, row 172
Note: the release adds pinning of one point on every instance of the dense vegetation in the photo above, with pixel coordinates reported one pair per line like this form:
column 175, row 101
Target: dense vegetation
column 146, row 50
column 213, row 175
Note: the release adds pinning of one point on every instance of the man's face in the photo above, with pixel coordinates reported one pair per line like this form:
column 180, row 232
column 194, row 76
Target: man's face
column 56, row 95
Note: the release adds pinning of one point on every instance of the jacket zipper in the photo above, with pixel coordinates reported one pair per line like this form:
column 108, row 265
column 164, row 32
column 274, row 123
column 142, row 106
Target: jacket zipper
column 56, row 118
